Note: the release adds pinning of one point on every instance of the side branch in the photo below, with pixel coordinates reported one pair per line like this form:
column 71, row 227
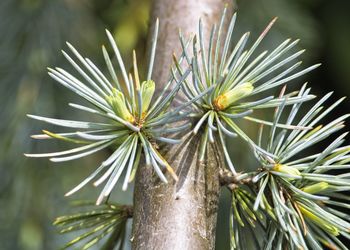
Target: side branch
column 227, row 178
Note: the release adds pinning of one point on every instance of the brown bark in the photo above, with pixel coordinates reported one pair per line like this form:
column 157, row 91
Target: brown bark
column 179, row 215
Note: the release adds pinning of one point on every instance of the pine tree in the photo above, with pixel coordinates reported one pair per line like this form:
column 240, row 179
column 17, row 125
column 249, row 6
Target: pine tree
column 169, row 132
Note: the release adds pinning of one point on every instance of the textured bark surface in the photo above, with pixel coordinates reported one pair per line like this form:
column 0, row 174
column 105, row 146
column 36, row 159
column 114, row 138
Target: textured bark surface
column 179, row 215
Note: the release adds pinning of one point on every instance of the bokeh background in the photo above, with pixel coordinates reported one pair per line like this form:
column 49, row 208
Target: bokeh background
column 32, row 33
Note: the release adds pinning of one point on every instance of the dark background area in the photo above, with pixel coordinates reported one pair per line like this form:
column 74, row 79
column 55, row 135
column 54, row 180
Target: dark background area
column 32, row 33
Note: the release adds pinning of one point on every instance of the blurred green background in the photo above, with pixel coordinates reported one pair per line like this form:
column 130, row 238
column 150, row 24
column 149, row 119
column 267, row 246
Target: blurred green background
column 32, row 33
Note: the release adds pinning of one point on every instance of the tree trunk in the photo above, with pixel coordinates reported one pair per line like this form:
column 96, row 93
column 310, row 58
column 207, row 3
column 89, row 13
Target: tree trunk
column 179, row 215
